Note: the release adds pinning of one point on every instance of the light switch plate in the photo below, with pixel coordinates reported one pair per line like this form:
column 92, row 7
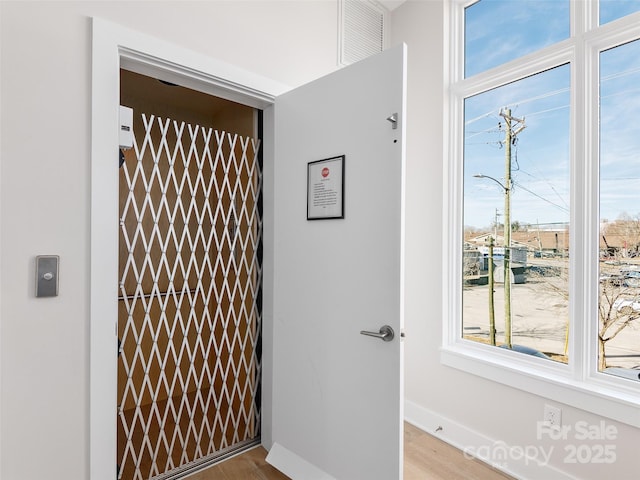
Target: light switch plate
column 47, row 275
column 126, row 127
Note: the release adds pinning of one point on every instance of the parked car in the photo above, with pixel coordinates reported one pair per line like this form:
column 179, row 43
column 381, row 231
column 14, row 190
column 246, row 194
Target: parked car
column 630, row 373
column 631, row 279
column 625, row 279
column 527, row 350
column 616, row 280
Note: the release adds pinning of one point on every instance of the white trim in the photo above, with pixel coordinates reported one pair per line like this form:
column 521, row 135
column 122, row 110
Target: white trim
column 294, row 466
column 528, row 65
column 452, row 209
column 268, row 260
column 579, row 197
column 192, row 77
column 578, row 384
column 115, row 46
column 602, row 395
column 476, row 445
column 1, row 236
column 611, row 35
column 104, row 274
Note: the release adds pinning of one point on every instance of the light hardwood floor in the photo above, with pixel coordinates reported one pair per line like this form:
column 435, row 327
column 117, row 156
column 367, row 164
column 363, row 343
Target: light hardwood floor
column 425, row 458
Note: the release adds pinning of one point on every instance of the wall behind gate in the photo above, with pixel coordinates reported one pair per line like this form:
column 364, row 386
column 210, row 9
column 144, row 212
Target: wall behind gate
column 45, row 198
column 45, row 108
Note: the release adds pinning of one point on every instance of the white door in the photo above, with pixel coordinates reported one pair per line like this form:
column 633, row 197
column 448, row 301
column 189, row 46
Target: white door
column 337, row 394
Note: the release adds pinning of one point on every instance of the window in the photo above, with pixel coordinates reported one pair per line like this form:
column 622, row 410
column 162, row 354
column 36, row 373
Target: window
column 516, row 193
column 543, row 236
column 619, row 312
column 497, row 31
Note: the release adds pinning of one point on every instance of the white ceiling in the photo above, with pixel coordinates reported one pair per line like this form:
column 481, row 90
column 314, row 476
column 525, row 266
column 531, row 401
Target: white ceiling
column 391, row 4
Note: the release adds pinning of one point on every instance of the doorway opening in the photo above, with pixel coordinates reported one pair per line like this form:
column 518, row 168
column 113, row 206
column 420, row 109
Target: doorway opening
column 190, row 280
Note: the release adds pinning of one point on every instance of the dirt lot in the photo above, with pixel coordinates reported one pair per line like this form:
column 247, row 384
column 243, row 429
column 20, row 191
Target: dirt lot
column 540, row 315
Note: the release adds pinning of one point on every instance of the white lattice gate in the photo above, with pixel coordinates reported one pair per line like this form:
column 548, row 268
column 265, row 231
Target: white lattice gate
column 190, row 297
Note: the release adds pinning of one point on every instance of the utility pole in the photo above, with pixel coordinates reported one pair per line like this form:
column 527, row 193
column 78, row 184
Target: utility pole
column 492, row 316
column 495, row 225
column 510, row 136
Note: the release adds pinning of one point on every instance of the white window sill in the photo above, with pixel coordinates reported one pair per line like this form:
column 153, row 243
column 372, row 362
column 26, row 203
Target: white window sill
column 601, row 394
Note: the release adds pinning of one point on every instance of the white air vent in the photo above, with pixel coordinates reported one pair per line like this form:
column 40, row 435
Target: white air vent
column 362, row 29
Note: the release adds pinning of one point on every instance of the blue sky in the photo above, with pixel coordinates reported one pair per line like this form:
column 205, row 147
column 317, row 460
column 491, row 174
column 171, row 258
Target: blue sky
column 497, row 31
column 614, row 9
column 620, row 131
column 540, row 158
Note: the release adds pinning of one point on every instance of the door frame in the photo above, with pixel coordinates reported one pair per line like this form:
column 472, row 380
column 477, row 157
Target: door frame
column 115, row 47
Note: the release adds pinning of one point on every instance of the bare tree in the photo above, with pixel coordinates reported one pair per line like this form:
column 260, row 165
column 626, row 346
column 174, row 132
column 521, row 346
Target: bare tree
column 612, row 317
column 623, row 234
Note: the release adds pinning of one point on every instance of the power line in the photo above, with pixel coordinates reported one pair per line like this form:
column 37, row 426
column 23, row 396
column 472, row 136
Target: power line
column 618, row 178
column 480, row 117
column 558, row 92
column 522, row 102
column 561, row 107
column 541, row 197
column 560, row 197
column 624, row 73
column 498, row 144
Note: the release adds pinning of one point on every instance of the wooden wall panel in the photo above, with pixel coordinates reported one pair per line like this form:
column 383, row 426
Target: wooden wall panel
column 189, row 284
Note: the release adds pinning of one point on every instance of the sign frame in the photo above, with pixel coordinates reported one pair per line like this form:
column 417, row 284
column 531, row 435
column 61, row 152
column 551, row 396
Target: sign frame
column 325, row 188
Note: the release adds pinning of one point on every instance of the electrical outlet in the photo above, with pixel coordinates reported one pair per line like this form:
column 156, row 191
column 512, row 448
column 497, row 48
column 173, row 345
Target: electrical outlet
column 552, row 416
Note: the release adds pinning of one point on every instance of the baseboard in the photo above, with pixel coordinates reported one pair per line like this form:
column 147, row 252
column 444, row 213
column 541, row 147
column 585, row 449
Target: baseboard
column 496, row 453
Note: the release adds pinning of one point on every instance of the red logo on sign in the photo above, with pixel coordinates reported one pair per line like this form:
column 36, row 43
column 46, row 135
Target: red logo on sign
column 325, row 172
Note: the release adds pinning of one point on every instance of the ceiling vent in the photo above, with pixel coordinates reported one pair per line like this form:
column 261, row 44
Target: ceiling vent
column 362, row 29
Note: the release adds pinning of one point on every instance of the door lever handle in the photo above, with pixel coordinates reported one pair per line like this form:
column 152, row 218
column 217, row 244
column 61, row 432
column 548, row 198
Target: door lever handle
column 385, row 334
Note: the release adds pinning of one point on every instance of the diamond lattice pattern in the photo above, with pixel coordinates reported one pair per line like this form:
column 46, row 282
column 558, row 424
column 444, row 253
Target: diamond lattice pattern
column 189, row 305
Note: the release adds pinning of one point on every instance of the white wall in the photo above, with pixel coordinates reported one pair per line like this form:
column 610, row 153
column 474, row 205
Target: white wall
column 473, row 412
column 44, row 190
column 44, row 209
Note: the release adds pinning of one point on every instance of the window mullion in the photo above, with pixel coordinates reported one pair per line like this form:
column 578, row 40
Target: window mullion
column 583, row 200
column 590, row 172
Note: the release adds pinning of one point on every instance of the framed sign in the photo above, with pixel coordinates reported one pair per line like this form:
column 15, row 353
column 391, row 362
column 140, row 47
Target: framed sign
column 325, row 189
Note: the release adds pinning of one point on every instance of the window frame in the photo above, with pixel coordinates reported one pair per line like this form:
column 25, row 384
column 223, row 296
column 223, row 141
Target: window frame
column 577, row 383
